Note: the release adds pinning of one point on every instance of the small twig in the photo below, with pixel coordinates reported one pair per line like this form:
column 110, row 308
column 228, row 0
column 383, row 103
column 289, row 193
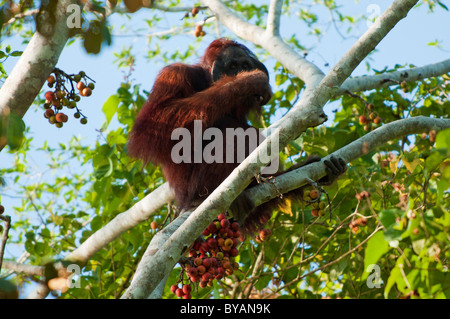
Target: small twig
column 7, row 220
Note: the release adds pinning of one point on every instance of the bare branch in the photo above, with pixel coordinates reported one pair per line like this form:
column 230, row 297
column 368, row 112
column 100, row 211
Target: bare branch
column 30, row 270
column 273, row 18
column 7, row 220
column 364, row 83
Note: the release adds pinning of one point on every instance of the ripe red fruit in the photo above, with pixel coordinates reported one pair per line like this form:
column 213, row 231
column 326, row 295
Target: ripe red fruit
column 225, row 223
column 154, row 225
column 198, row 28
column 235, row 226
column 197, row 245
column 212, row 242
column 206, row 276
column 377, row 120
column 206, row 232
column 51, row 79
column 198, row 261
column 61, row 117
column 226, row 264
column 179, row 292
column 173, row 288
column 81, row 86
column 49, row 96
column 264, row 234
column 87, row 91
column 204, row 248
column 315, row 212
column 187, row 296
column 187, row 289
column 221, row 271
column 363, row 119
column 234, row 252
column 193, row 272
column 213, row 271
column 201, row 269
column 194, row 11
column 222, row 216
column 206, row 262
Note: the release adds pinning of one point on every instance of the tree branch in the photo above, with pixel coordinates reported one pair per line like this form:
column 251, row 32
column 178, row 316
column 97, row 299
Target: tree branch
column 273, row 18
column 30, row 270
column 7, row 220
column 363, row 83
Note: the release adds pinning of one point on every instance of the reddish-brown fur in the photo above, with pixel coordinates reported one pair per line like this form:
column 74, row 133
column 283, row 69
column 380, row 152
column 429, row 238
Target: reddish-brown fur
column 183, row 93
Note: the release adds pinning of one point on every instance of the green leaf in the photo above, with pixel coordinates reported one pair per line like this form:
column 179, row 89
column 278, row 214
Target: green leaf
column 16, row 53
column 96, row 223
column 110, row 107
column 433, row 161
column 12, row 127
column 377, row 246
column 104, row 170
column 394, row 276
column 393, row 229
column 443, row 139
column 442, row 5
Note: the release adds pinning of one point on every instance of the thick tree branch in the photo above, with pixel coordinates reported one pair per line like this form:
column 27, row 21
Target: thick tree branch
column 273, row 18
